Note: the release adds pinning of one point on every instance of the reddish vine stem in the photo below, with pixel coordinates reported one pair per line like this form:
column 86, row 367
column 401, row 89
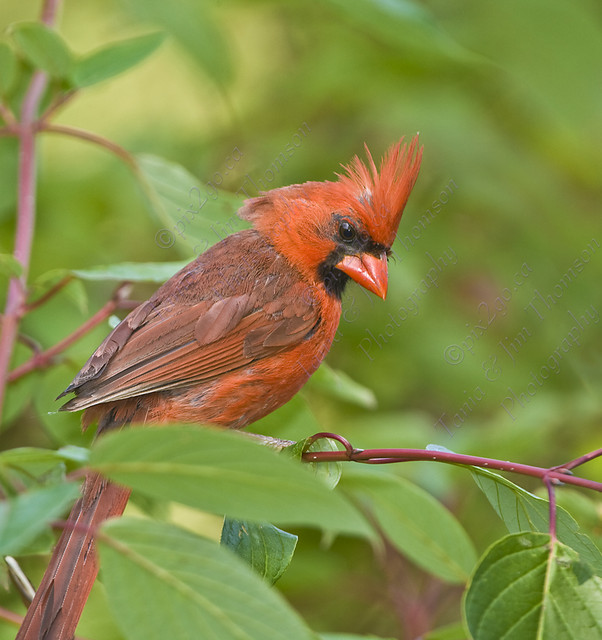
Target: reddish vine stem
column 9, row 117
column 580, row 460
column 57, row 105
column 49, row 11
column 17, row 620
column 88, row 136
column 26, row 204
column 555, row 475
column 49, row 294
column 10, row 616
column 45, row 358
column 26, row 209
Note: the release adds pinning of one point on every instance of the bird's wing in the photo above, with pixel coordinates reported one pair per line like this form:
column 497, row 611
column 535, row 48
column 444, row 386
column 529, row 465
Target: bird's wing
column 173, row 346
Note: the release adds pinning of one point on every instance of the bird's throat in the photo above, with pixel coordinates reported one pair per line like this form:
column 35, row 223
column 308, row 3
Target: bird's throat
column 333, row 279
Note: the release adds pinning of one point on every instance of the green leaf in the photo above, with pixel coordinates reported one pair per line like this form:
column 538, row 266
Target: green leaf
column 415, row 522
column 585, row 508
column 222, row 472
column 198, row 215
column 113, row 59
column 96, row 621
column 73, row 291
column 43, row 47
column 194, row 28
column 10, row 267
column 31, row 468
column 329, row 472
column 261, row 545
column 523, row 511
column 528, row 586
column 408, row 27
column 8, row 68
column 157, row 272
column 27, row 456
column 339, row 385
column 62, row 426
column 25, row 517
column 449, row 632
column 349, row 636
column 293, row 421
column 9, row 152
column 197, row 589
column 20, row 392
column 542, row 56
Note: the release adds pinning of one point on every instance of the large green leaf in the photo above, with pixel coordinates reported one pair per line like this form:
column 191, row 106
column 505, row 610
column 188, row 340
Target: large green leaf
column 340, row 385
column 73, row 291
column 157, row 272
column 197, row 589
column 114, row 59
column 10, row 267
column 415, row 522
column 329, row 472
column 523, row 511
column 529, row 586
column 455, row 631
column 9, row 152
column 8, row 67
column 261, row 545
column 293, row 421
column 25, row 517
column 43, row 47
column 224, row 473
column 192, row 24
column 33, row 458
column 548, row 50
column 407, row 26
column 62, row 426
column 348, row 636
column 196, row 214
column 20, row 392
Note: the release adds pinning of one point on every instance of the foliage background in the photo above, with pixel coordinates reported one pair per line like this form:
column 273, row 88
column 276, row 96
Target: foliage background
column 508, row 101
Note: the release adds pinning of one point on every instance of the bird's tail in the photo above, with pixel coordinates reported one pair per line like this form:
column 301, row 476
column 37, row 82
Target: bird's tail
column 60, row 599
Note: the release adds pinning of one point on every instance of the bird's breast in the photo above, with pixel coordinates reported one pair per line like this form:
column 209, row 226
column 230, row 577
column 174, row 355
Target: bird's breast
column 240, row 397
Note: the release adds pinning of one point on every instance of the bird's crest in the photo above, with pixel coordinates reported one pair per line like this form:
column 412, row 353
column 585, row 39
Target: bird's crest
column 382, row 192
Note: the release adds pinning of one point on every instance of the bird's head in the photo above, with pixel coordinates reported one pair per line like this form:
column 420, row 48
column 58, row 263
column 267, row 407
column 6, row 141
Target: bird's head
column 333, row 231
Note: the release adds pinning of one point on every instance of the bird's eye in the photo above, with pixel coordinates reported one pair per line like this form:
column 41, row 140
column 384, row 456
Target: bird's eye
column 347, row 231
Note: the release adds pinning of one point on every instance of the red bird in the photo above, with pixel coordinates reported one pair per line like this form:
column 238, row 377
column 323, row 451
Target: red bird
column 236, row 333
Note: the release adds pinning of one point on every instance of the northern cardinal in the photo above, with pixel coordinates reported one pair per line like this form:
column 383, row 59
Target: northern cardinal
column 230, row 338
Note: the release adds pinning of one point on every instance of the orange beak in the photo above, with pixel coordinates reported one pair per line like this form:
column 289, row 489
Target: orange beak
column 368, row 271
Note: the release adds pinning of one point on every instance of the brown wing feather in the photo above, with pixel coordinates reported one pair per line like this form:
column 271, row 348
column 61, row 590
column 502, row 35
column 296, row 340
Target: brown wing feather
column 174, row 347
column 110, row 346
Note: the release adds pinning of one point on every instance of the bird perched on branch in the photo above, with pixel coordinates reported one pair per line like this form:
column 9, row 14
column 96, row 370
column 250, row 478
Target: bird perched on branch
column 230, row 338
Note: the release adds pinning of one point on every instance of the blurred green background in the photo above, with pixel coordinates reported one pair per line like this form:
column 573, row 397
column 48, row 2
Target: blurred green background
column 489, row 341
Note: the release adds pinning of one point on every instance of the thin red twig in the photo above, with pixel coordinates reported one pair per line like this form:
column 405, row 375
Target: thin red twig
column 26, row 204
column 29, row 342
column 9, row 117
column 57, row 104
column 49, row 11
column 45, row 358
column 16, row 619
column 26, row 209
column 580, row 460
column 88, row 136
column 10, row 616
column 49, row 294
column 387, row 456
